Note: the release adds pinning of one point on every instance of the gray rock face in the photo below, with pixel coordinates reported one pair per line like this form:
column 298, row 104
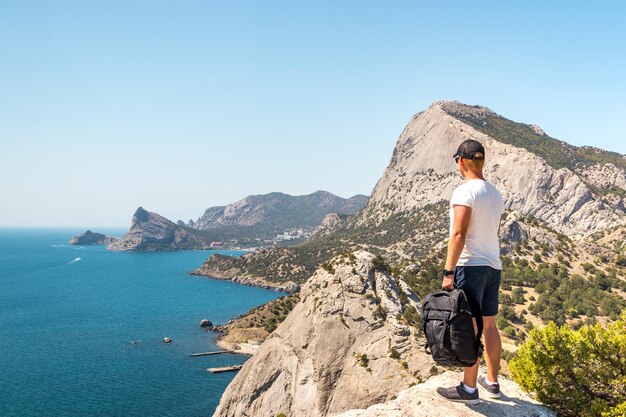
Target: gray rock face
column 422, row 171
column 92, row 238
column 343, row 346
column 152, row 232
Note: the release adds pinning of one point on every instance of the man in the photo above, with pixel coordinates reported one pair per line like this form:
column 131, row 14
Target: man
column 473, row 264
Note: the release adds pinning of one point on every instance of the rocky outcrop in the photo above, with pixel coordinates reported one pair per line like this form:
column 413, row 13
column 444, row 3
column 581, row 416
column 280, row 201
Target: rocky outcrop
column 422, row 172
column 153, row 232
column 538, row 130
column 346, row 344
column 92, row 238
column 206, row 323
column 330, row 223
column 422, row 401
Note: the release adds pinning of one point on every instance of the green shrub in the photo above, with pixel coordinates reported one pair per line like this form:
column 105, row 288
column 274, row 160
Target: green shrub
column 577, row 372
column 394, row 354
column 518, row 295
column 379, row 263
column 363, row 360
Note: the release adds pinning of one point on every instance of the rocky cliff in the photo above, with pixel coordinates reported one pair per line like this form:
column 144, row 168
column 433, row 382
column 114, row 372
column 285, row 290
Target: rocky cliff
column 92, row 238
column 350, row 342
column 153, row 232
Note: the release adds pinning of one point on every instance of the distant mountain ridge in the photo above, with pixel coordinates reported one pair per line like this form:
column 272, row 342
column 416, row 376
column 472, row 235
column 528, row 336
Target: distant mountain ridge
column 252, row 221
column 279, row 211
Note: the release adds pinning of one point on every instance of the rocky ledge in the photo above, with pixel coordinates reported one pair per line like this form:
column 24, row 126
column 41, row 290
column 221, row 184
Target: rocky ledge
column 423, row 401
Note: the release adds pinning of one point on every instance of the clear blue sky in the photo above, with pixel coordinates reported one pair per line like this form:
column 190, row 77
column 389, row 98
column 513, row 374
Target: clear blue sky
column 178, row 106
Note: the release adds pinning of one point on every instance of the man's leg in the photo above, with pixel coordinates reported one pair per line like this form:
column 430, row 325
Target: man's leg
column 493, row 347
column 493, row 352
column 470, row 374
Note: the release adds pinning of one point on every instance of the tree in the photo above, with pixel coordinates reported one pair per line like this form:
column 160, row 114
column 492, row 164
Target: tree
column 577, row 372
column 518, row 295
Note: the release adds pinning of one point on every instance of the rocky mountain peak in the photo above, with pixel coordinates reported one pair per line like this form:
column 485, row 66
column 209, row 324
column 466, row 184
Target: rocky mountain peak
column 141, row 215
column 421, row 171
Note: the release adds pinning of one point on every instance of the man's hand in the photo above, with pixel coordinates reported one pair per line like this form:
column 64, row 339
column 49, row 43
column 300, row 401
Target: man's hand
column 448, row 283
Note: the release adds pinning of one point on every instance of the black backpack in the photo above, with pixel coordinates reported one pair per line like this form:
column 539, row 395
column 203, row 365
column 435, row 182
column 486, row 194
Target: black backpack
column 447, row 325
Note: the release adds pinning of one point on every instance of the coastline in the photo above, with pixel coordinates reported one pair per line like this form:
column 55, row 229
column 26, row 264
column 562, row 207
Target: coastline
column 246, row 333
column 288, row 287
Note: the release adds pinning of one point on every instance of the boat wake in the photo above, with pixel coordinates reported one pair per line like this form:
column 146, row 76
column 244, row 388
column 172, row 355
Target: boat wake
column 75, row 260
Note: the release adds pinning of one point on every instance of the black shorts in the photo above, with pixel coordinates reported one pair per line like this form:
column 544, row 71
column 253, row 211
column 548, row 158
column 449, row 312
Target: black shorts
column 481, row 282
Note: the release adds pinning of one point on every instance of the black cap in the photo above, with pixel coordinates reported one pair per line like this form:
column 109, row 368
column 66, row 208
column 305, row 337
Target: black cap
column 469, row 148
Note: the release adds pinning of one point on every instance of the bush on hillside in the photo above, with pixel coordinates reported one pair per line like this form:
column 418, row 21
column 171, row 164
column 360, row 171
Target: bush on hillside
column 577, row 372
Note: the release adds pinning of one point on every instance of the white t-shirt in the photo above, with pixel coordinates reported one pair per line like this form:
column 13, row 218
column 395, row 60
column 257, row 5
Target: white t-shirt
column 482, row 247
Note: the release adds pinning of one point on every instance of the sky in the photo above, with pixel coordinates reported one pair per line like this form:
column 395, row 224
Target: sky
column 179, row 106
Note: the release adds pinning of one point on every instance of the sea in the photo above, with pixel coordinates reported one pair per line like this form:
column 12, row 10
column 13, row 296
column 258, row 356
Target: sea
column 82, row 328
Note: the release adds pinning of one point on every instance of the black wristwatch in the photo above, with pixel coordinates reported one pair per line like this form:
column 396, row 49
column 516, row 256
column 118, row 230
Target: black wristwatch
column 445, row 272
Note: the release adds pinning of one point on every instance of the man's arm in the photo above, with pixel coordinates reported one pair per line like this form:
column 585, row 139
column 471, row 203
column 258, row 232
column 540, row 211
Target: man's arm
column 460, row 225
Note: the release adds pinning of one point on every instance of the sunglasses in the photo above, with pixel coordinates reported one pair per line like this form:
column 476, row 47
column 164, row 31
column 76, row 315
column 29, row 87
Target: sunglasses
column 457, row 157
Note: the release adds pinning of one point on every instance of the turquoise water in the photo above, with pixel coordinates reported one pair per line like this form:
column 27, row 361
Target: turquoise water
column 67, row 326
